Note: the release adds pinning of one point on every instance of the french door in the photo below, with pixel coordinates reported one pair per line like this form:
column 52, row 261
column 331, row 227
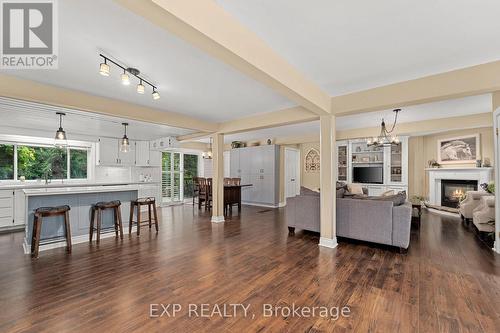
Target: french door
column 172, row 177
column 178, row 171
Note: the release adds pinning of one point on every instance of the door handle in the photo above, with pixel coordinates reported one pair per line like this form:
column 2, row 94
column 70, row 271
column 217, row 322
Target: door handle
column 292, row 179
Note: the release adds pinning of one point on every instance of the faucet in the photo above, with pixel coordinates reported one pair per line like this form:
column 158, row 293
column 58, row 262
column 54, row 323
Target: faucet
column 47, row 178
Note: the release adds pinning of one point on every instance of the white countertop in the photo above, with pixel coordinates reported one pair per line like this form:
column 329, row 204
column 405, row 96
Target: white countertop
column 80, row 189
column 42, row 185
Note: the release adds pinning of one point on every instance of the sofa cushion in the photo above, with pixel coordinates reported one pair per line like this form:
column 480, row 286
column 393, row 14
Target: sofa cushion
column 307, row 191
column 355, row 188
column 340, row 192
column 397, row 199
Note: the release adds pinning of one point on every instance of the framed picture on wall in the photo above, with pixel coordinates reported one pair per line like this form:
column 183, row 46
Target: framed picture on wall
column 465, row 149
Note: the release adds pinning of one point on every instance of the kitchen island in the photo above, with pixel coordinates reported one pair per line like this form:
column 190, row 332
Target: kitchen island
column 80, row 198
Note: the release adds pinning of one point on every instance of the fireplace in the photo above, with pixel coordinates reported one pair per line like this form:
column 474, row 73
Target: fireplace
column 453, row 191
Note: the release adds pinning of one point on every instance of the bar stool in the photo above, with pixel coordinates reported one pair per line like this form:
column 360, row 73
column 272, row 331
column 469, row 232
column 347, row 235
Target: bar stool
column 97, row 209
column 138, row 203
column 42, row 212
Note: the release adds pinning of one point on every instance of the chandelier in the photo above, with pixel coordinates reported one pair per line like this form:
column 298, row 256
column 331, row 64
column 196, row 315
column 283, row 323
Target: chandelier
column 385, row 138
column 208, row 154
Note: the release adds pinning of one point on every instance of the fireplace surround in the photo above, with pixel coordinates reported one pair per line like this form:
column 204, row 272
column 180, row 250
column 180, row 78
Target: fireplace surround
column 437, row 175
column 453, row 191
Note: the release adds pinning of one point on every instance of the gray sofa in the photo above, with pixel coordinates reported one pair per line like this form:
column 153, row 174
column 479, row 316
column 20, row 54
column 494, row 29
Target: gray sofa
column 374, row 221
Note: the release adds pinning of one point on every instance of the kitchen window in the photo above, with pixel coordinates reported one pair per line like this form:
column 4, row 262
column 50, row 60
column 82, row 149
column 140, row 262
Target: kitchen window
column 34, row 162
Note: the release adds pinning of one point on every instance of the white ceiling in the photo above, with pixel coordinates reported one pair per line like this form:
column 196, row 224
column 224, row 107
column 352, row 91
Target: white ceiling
column 352, row 45
column 437, row 110
column 26, row 118
column 190, row 81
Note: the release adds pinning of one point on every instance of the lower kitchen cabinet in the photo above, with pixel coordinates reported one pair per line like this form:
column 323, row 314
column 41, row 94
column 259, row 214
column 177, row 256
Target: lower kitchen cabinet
column 12, row 208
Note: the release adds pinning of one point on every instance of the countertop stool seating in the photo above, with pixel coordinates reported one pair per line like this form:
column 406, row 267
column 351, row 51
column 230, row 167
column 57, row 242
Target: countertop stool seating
column 137, row 204
column 97, row 210
column 42, row 212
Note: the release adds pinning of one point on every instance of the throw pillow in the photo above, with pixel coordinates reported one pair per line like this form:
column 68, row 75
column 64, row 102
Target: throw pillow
column 340, row 192
column 387, row 193
column 355, row 188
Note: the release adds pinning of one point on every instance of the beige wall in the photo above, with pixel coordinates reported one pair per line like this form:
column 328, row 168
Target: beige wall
column 308, row 179
column 420, row 150
column 419, row 155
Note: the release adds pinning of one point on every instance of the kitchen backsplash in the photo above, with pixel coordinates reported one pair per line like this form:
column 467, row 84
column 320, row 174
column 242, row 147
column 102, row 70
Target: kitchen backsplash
column 105, row 174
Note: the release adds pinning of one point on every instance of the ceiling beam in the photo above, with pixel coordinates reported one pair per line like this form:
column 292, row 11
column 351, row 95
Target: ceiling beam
column 495, row 99
column 206, row 25
column 28, row 90
column 193, row 136
column 475, row 80
column 267, row 120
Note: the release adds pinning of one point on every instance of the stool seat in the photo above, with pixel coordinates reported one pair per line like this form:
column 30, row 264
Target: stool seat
column 39, row 214
column 97, row 209
column 108, row 204
column 136, row 204
column 47, row 211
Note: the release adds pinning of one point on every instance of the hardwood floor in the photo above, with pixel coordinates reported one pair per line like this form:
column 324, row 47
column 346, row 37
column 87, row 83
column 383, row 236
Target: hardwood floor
column 447, row 282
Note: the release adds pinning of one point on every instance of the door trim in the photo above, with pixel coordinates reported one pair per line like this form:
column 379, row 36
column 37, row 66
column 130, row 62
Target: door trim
column 297, row 189
column 496, row 119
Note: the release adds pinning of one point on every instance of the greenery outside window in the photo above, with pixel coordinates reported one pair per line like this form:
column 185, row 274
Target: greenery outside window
column 42, row 162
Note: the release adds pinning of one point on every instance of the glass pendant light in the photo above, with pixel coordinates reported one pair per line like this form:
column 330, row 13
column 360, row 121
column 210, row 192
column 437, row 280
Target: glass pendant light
column 125, row 78
column 124, row 142
column 156, row 94
column 60, row 138
column 140, row 88
column 104, row 68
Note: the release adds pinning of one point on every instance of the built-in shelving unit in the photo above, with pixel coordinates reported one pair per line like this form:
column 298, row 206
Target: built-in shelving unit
column 393, row 160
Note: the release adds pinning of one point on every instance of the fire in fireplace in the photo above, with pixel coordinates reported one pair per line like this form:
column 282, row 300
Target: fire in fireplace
column 453, row 191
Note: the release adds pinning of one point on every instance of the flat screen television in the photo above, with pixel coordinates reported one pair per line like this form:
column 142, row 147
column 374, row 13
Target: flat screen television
column 369, row 174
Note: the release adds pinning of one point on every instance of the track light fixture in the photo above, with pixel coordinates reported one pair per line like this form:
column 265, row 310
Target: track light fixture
column 104, row 70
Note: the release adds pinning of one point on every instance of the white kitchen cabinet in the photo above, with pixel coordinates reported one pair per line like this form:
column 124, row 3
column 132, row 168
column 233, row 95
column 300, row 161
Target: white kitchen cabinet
column 142, row 153
column 107, row 151
column 234, row 164
column 19, row 207
column 6, row 208
column 128, row 158
column 155, row 158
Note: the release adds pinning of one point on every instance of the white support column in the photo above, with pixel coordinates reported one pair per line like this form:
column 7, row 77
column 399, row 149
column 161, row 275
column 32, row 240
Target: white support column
column 496, row 115
column 218, row 178
column 328, row 177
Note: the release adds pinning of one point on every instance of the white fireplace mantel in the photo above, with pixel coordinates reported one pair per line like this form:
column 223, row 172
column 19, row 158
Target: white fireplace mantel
column 436, row 175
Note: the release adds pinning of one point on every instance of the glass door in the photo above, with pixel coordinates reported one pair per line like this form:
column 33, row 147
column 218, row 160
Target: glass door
column 396, row 172
column 190, row 170
column 342, row 163
column 172, row 177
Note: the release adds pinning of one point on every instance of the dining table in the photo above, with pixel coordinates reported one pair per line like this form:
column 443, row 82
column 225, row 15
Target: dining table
column 232, row 196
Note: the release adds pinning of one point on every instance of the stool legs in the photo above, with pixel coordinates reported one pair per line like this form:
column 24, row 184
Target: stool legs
column 138, row 220
column 35, row 237
column 99, row 218
column 68, row 231
column 119, row 220
column 91, row 231
column 149, row 215
column 156, row 216
column 131, row 218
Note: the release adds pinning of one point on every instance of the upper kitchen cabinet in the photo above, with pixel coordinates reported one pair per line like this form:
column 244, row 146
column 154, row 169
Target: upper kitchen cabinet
column 108, row 153
column 142, row 153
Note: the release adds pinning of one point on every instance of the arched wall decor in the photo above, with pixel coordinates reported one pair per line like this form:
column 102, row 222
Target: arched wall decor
column 312, row 160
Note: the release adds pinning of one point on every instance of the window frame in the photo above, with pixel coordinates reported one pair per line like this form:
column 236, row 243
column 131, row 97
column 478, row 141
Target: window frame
column 17, row 141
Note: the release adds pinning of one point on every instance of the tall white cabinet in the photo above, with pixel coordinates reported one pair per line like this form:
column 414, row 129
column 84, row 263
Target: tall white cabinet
column 258, row 166
column 393, row 159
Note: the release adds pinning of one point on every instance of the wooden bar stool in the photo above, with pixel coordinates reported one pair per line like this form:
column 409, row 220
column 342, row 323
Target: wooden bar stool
column 117, row 217
column 42, row 212
column 138, row 203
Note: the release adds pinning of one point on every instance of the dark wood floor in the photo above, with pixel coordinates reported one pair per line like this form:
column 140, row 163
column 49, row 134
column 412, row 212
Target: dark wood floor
column 448, row 281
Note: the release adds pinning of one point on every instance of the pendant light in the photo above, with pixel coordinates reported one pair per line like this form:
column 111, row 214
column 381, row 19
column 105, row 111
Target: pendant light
column 385, row 138
column 60, row 138
column 208, row 154
column 125, row 78
column 104, row 68
column 124, row 142
column 140, row 88
column 156, row 94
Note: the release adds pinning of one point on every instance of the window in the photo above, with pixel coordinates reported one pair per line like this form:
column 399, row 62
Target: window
column 78, row 163
column 41, row 162
column 34, row 162
column 6, row 162
column 178, row 170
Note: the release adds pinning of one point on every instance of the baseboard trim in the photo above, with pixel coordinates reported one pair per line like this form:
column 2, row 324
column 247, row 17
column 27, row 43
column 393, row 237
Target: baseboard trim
column 74, row 240
column 496, row 247
column 282, row 204
column 259, row 205
column 328, row 242
column 217, row 219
